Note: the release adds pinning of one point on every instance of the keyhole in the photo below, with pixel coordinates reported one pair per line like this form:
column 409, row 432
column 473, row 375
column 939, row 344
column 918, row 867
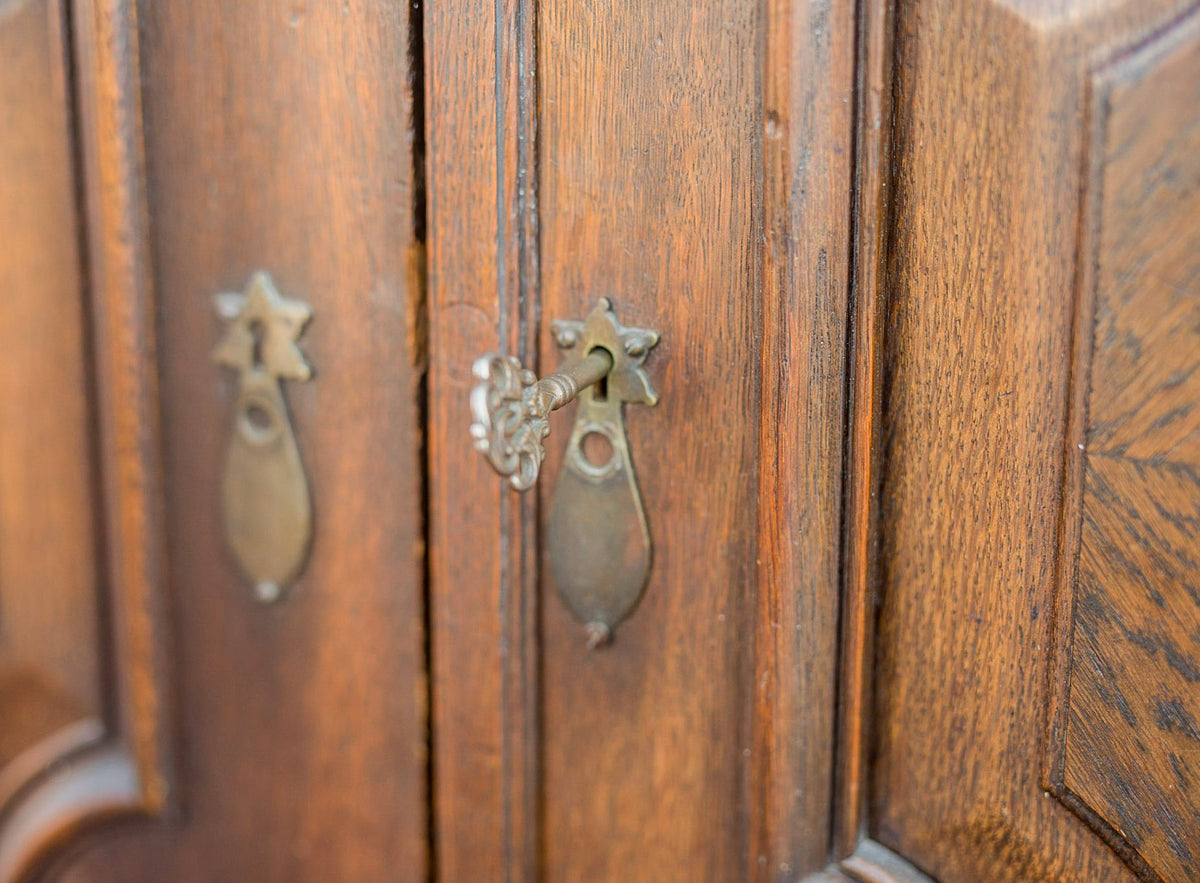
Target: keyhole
column 600, row 390
column 257, row 332
column 259, row 421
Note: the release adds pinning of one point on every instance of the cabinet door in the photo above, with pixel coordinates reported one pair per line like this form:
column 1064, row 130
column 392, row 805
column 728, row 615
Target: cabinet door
column 140, row 675
column 965, row 654
column 920, row 482
column 692, row 163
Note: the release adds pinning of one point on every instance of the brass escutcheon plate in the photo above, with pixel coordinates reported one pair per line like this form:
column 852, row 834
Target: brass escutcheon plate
column 598, row 540
column 266, row 509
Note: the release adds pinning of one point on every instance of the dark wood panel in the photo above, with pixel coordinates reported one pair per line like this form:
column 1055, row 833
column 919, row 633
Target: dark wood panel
column 279, row 137
column 988, row 171
column 1127, row 740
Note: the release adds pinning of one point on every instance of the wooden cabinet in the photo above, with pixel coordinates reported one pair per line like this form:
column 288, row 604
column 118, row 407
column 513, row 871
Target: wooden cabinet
column 921, row 481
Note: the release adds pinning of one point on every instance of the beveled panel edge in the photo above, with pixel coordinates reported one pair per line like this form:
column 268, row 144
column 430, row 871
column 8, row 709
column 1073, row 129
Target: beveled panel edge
column 123, row 323
column 861, row 479
column 1070, row 515
column 1107, row 68
column 479, row 299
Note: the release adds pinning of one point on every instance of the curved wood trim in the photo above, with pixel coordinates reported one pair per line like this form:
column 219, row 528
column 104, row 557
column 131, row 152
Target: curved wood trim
column 98, row 784
column 22, row 772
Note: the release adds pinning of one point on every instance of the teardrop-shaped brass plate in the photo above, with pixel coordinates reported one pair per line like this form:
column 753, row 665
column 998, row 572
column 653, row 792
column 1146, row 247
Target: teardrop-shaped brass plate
column 265, row 504
column 598, row 540
column 264, row 492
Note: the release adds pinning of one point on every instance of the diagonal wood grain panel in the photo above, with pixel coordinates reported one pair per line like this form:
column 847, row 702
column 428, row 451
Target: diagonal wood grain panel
column 1130, row 754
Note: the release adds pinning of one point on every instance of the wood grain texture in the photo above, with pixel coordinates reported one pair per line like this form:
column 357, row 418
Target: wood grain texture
column 634, row 123
column 481, row 124
column 279, row 137
column 649, row 172
column 987, row 177
column 702, row 182
column 807, row 71
column 1125, row 740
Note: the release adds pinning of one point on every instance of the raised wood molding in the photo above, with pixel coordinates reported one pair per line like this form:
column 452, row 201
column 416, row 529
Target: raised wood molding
column 856, row 856
column 126, row 370
column 120, row 764
column 481, row 123
column 123, row 314
column 51, row 666
column 873, row 124
column 807, row 118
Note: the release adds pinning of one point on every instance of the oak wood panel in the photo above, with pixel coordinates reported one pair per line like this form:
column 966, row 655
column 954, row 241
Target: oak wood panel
column 1125, row 739
column 50, row 664
column 280, row 136
column 702, row 182
column 989, row 138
